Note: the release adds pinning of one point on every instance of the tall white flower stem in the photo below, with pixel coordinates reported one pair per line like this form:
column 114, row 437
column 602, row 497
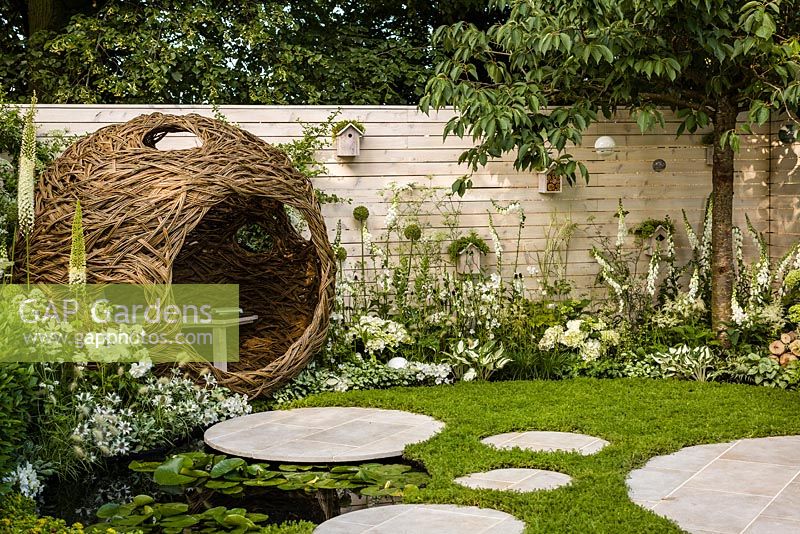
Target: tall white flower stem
column 25, row 181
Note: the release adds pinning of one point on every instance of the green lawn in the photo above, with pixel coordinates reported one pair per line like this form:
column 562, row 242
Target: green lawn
column 641, row 418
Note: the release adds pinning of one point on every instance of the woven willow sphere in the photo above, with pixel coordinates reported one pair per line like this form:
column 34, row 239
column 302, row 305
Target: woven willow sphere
column 155, row 216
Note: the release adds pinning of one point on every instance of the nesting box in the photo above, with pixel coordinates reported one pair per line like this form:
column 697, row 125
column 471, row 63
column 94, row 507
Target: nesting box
column 658, row 239
column 549, row 183
column 470, row 259
column 348, row 141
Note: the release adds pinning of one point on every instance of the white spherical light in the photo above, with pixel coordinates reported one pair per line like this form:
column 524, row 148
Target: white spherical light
column 397, row 363
column 604, row 146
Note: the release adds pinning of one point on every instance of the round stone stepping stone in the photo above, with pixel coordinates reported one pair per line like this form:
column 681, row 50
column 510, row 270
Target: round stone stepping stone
column 522, row 480
column 547, row 441
column 321, row 435
column 749, row 486
column 423, row 519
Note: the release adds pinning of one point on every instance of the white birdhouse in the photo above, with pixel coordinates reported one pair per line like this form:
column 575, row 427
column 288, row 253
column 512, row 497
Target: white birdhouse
column 348, row 141
column 469, row 260
column 658, row 240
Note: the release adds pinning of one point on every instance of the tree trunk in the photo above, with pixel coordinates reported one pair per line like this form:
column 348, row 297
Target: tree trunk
column 44, row 15
column 722, row 224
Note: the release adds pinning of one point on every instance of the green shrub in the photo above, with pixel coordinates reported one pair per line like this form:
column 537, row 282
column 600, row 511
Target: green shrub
column 17, row 515
column 17, row 403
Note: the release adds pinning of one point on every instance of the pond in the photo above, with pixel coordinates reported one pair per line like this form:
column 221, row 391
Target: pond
column 79, row 501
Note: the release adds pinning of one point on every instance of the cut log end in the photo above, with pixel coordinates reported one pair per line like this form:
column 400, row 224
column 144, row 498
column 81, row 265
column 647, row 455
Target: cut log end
column 788, row 358
column 777, row 347
column 788, row 337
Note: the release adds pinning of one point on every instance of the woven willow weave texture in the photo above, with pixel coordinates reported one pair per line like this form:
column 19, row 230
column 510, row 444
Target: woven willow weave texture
column 161, row 217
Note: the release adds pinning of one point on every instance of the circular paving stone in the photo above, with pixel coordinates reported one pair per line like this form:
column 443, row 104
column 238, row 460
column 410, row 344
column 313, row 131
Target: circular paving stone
column 321, row 435
column 423, row 519
column 749, row 486
column 547, row 441
column 522, row 480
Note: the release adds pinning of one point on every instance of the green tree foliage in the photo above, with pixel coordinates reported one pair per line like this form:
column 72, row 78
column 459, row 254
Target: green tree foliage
column 198, row 51
column 533, row 83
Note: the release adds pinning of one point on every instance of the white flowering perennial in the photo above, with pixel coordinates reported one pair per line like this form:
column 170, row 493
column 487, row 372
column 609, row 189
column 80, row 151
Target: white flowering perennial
column 694, row 243
column 678, row 311
column 379, row 334
column 498, row 246
column 140, row 369
column 26, row 479
column 705, row 244
column 163, row 408
column 607, row 274
column 588, row 339
column 622, row 231
column 652, row 273
column 761, row 277
column 27, row 168
column 694, row 285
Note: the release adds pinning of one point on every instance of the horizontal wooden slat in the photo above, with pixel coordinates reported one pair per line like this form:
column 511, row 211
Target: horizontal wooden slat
column 403, row 145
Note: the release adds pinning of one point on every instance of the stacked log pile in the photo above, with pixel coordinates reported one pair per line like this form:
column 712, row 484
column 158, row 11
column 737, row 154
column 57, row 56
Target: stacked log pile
column 786, row 349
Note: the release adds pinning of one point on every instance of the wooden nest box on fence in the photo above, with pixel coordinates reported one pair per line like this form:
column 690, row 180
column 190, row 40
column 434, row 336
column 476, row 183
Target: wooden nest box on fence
column 171, row 216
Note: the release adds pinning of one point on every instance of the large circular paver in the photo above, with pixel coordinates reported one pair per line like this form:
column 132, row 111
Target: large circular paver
column 751, row 485
column 321, row 435
column 423, row 519
column 547, row 441
column 523, row 480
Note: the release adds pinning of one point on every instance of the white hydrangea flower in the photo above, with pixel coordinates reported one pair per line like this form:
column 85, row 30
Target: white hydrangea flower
column 591, row 350
column 550, row 337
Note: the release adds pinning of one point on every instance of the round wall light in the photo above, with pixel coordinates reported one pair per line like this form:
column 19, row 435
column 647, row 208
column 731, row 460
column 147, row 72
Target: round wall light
column 604, row 146
column 659, row 165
